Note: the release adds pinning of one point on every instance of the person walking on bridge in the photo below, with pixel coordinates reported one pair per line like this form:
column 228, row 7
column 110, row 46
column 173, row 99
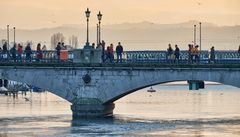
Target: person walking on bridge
column 19, row 51
column 190, row 56
column 103, row 50
column 58, row 49
column 177, row 54
column 212, row 55
column 28, row 52
column 13, row 52
column 170, row 55
column 39, row 52
column 119, row 51
column 5, row 51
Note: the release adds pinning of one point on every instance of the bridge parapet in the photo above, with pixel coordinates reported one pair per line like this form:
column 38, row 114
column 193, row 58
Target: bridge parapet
column 154, row 56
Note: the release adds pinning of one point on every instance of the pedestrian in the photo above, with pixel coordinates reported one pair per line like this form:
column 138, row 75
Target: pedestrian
column 39, row 52
column 119, row 51
column 170, row 55
column 190, row 56
column 111, row 53
column 28, row 52
column 177, row 54
column 195, row 54
column 19, row 51
column 103, row 50
column 13, row 52
column 58, row 49
column 5, row 51
column 212, row 55
column 108, row 55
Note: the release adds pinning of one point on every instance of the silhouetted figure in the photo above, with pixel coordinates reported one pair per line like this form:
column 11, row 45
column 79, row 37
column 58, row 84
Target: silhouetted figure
column 28, row 52
column 177, row 54
column 13, row 52
column 119, row 51
column 170, row 55
column 103, row 50
column 20, row 52
column 58, row 49
column 111, row 53
column 4, row 48
column 212, row 55
column 190, row 56
column 195, row 54
column 5, row 51
column 108, row 54
column 39, row 52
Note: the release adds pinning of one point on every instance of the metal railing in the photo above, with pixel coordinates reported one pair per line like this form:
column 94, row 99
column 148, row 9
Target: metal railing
column 50, row 56
column 231, row 57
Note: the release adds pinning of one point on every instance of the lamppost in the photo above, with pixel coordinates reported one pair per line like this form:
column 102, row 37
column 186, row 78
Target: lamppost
column 14, row 40
column 97, row 34
column 194, row 41
column 87, row 12
column 99, row 16
column 7, row 36
column 200, row 36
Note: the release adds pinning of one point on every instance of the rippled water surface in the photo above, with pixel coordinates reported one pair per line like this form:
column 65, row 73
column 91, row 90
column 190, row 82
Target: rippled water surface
column 171, row 111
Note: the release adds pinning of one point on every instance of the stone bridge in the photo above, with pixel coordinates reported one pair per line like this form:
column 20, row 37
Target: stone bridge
column 92, row 89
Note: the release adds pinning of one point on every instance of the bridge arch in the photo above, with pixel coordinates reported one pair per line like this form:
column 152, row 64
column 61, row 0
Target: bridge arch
column 146, row 86
column 147, row 79
column 40, row 86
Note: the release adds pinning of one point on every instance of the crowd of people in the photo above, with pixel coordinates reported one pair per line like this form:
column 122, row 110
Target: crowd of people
column 16, row 52
column 172, row 55
column 108, row 52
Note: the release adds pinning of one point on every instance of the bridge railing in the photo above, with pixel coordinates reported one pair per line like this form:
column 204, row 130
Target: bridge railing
column 161, row 56
column 50, row 56
column 47, row 57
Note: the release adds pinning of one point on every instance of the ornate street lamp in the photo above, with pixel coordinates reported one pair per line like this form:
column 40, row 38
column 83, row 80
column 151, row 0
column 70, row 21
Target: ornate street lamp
column 87, row 12
column 97, row 34
column 99, row 16
column 194, row 39
column 7, row 36
column 200, row 36
column 14, row 36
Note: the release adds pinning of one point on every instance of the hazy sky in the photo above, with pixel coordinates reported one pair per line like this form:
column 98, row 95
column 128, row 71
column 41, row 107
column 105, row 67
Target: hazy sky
column 49, row 13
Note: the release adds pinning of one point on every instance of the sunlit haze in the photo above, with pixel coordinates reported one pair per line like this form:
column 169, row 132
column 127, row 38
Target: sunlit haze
column 32, row 14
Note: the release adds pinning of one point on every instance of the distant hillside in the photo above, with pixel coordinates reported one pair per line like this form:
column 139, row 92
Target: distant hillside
column 143, row 35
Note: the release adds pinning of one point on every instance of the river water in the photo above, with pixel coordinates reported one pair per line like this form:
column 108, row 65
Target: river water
column 171, row 111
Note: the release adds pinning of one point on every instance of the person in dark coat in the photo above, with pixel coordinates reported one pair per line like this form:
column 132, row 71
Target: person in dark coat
column 119, row 51
column 177, row 54
column 13, row 52
column 212, row 55
column 28, row 52
column 58, row 49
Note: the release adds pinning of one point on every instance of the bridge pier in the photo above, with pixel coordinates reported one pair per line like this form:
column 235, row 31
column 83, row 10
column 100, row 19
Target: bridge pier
column 92, row 110
column 196, row 84
column 91, row 107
